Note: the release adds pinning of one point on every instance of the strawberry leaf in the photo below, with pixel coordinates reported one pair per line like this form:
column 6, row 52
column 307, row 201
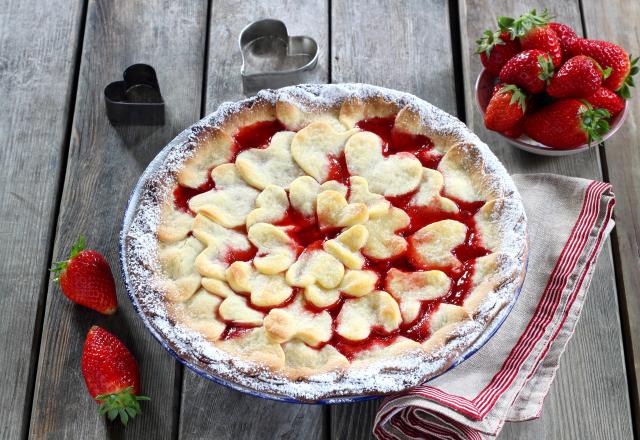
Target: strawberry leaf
column 59, row 267
column 604, row 72
column 523, row 24
column 488, row 41
column 594, row 122
column 517, row 96
column 625, row 90
column 123, row 404
column 546, row 68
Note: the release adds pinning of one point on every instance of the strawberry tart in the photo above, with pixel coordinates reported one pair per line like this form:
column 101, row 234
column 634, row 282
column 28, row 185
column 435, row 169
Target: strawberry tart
column 323, row 241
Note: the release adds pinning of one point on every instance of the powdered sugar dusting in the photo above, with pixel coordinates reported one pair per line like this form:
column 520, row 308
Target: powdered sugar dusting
column 140, row 267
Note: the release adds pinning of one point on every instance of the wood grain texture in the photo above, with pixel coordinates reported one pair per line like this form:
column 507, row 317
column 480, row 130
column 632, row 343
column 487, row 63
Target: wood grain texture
column 36, row 85
column 103, row 165
column 387, row 44
column 618, row 22
column 206, row 407
column 589, row 397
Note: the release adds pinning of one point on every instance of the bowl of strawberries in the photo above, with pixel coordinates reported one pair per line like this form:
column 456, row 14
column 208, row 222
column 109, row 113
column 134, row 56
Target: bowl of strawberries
column 548, row 91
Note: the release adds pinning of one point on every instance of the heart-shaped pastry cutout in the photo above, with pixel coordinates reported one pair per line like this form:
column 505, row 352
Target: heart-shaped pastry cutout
column 446, row 314
column 393, row 175
column 411, row 288
column 360, row 193
column 428, row 194
column 295, row 322
column 384, row 241
column 271, row 205
column 317, row 149
column 335, row 212
column 230, row 201
column 356, row 283
column 303, row 194
column 276, row 249
column 358, row 316
column 199, row 313
column 177, row 261
column 266, row 290
column 315, row 266
column 303, row 360
column 346, row 246
column 273, row 165
column 255, row 346
column 213, row 261
column 432, row 246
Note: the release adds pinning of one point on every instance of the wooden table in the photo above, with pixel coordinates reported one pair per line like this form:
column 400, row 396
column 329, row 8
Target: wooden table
column 67, row 171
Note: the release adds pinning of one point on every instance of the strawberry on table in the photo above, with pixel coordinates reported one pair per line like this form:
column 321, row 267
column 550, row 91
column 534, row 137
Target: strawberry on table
column 506, row 108
column 567, row 124
column 606, row 99
column 566, row 35
column 495, row 49
column 530, row 69
column 578, row 77
column 609, row 55
column 111, row 375
column 86, row 279
column 534, row 32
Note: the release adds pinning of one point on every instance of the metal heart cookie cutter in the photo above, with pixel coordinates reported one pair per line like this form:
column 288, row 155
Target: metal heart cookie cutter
column 135, row 100
column 272, row 59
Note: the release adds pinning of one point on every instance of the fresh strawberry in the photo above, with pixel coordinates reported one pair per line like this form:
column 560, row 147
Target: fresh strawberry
column 515, row 131
column 530, row 69
column 495, row 49
column 609, row 55
column 578, row 77
column 566, row 35
column 497, row 88
column 506, row 108
column 567, row 124
column 534, row 32
column 86, row 279
column 111, row 375
column 606, row 99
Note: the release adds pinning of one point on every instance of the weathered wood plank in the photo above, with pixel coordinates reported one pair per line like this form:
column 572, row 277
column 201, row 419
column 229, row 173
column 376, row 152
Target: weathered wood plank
column 103, row 165
column 618, row 22
column 592, row 369
column 36, row 84
column 210, row 410
column 388, row 44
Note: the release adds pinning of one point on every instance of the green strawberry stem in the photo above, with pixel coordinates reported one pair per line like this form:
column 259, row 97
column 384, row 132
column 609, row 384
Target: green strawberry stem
column 519, row 27
column 546, row 68
column 625, row 90
column 604, row 72
column 517, row 96
column 60, row 266
column 488, row 41
column 594, row 122
column 124, row 404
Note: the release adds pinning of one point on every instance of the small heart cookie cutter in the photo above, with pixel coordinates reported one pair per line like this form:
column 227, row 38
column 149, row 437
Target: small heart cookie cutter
column 135, row 100
column 273, row 59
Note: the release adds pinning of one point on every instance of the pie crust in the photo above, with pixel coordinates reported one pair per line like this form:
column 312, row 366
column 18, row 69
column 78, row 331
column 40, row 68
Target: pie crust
column 323, row 241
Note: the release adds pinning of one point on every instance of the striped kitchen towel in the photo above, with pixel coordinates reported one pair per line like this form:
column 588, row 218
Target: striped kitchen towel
column 509, row 377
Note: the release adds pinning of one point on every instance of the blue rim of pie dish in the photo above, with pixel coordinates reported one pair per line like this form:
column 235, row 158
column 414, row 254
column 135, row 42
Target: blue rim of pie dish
column 130, row 210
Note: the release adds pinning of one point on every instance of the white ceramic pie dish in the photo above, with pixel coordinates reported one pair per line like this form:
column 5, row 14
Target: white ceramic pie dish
column 201, row 368
column 483, row 88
